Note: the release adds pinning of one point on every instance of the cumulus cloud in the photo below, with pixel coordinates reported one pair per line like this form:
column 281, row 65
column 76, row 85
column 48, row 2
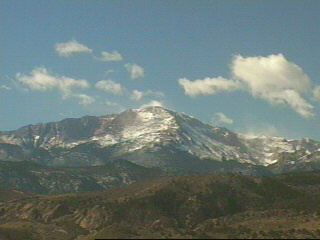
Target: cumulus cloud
column 152, row 103
column 293, row 99
column 71, row 47
column 134, row 70
column 84, row 99
column 40, row 79
column 271, row 73
column 275, row 80
column 137, row 95
column 316, row 93
column 66, row 84
column 110, row 86
column 272, row 78
column 113, row 56
column 221, row 118
column 207, row 86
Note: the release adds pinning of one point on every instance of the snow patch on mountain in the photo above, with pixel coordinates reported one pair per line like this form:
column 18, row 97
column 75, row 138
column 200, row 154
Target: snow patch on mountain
column 265, row 149
column 149, row 130
column 10, row 139
column 148, row 126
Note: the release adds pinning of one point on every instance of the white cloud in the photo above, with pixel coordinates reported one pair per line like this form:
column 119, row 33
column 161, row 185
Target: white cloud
column 152, row 103
column 316, row 93
column 134, row 70
column 84, row 99
column 113, row 56
column 221, row 118
column 274, row 79
column 293, row 99
column 274, row 72
column 138, row 95
column 5, row 87
column 264, row 129
column 110, row 86
column 66, row 84
column 207, row 86
column 112, row 104
column 40, row 79
column 71, row 47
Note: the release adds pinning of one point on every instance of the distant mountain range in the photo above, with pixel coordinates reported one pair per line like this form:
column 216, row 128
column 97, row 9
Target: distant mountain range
column 93, row 153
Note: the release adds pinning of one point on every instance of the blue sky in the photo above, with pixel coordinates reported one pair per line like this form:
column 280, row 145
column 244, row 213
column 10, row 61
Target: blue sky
column 250, row 66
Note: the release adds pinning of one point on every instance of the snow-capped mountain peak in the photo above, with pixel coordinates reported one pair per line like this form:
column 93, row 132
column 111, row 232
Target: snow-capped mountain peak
column 151, row 136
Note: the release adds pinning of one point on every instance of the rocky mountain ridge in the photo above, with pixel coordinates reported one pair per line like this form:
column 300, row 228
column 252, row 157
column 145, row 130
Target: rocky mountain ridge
column 142, row 136
column 36, row 178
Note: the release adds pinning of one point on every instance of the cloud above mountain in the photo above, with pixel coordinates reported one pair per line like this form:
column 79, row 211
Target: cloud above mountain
column 85, row 99
column 40, row 79
column 110, row 86
column 69, row 48
column 152, row 103
column 316, row 93
column 221, row 118
column 137, row 95
column 113, row 56
column 272, row 78
column 207, row 86
column 135, row 70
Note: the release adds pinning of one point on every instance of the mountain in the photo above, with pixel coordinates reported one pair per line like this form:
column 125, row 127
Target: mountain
column 152, row 139
column 194, row 206
column 155, row 173
column 35, row 178
column 10, row 194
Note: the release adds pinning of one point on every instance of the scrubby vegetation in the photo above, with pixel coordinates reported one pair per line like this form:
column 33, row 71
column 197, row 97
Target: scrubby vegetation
column 196, row 206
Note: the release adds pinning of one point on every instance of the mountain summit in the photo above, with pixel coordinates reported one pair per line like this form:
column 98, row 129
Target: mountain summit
column 152, row 137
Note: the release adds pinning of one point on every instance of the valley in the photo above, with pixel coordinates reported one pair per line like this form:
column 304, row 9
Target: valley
column 194, row 206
